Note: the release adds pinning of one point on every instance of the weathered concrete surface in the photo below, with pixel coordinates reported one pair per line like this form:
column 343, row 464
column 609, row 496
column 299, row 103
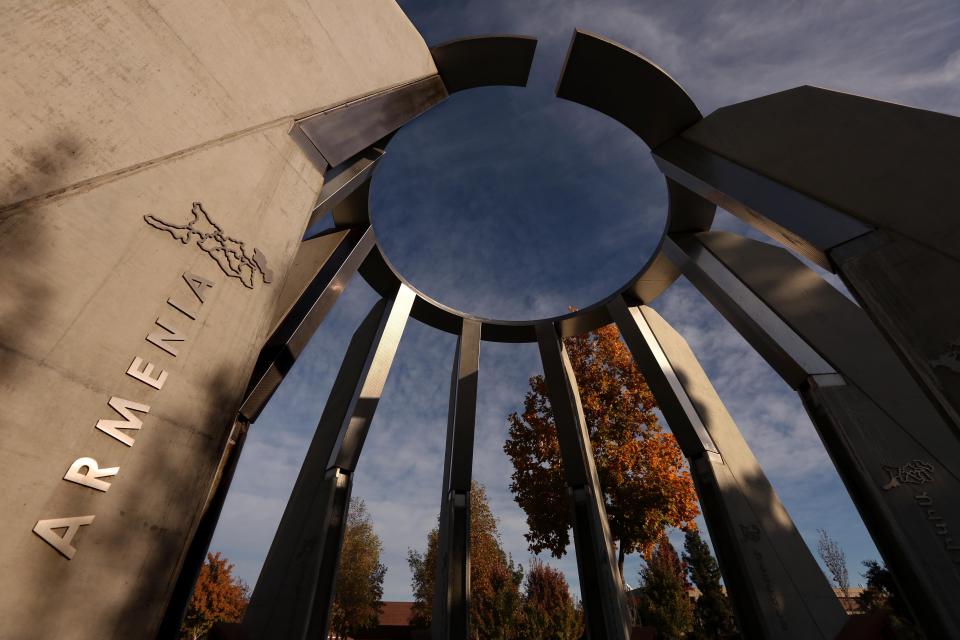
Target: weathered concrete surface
column 90, row 88
column 910, row 292
column 884, row 164
column 889, row 167
column 86, row 279
column 897, row 455
column 114, row 111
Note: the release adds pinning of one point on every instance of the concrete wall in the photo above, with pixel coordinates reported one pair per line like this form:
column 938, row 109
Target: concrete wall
column 115, row 110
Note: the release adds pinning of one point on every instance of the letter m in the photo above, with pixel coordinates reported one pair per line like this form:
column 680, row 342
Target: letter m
column 130, row 421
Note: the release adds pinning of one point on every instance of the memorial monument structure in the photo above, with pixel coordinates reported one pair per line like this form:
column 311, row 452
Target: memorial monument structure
column 160, row 168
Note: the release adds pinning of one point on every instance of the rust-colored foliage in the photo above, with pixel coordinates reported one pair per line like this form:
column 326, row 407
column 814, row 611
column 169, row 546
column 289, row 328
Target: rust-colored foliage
column 643, row 475
column 549, row 612
column 217, row 597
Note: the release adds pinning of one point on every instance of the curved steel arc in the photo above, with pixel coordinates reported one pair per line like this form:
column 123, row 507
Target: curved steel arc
column 599, row 74
column 621, row 83
column 482, row 61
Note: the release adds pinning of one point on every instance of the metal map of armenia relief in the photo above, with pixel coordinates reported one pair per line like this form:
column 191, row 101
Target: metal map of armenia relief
column 231, row 255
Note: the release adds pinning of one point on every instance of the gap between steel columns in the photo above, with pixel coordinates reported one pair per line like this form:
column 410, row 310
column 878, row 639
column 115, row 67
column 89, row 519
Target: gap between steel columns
column 777, row 588
column 604, row 600
column 896, row 454
column 451, row 600
column 293, row 594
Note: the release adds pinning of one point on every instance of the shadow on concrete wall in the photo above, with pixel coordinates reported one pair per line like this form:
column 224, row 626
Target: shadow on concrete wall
column 187, row 490
column 178, row 489
column 25, row 242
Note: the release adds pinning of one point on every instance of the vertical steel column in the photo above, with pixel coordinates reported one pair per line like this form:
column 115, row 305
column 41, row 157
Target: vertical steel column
column 293, row 594
column 897, row 455
column 604, row 601
column 777, row 588
column 451, row 597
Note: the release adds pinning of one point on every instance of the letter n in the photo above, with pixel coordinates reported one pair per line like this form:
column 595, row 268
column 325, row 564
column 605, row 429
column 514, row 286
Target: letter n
column 130, row 421
column 161, row 339
column 45, row 529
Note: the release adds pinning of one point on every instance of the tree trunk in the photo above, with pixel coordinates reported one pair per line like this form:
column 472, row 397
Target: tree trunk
column 620, row 557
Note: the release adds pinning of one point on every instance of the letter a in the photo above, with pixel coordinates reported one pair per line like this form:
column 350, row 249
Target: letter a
column 44, row 529
column 130, row 421
column 198, row 285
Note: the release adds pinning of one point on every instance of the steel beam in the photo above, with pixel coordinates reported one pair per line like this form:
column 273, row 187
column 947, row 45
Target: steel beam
column 335, row 135
column 791, row 218
column 293, row 594
column 898, row 457
column 451, row 600
column 320, row 272
column 777, row 588
column 340, row 183
column 604, row 601
column 862, row 187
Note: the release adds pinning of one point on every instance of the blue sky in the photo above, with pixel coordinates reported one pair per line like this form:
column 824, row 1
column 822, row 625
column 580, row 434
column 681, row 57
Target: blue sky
column 511, row 203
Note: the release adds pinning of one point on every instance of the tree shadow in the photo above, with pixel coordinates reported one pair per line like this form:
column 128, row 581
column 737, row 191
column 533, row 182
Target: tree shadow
column 166, row 505
column 25, row 242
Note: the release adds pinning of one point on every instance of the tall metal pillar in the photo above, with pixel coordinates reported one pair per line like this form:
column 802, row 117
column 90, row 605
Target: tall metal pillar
column 897, row 455
column 604, row 601
column 293, row 594
column 451, row 596
column 777, row 588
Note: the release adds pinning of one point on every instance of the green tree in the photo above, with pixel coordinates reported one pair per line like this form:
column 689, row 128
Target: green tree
column 356, row 605
column 664, row 603
column 712, row 614
column 549, row 612
column 882, row 594
column 494, row 578
column 643, row 474
column 218, row 596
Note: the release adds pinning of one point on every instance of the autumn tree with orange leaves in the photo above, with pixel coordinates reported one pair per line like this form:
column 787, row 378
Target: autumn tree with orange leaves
column 644, row 477
column 217, row 597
